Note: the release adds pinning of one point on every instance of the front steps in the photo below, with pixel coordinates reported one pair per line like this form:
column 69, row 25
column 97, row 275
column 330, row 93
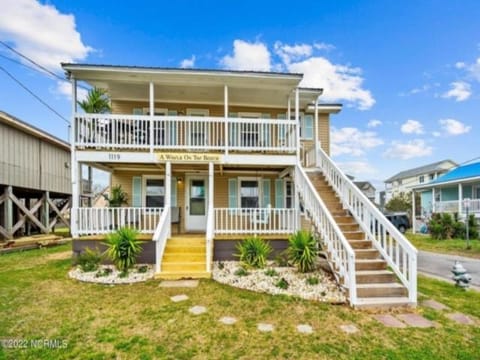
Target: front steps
column 376, row 285
column 184, row 258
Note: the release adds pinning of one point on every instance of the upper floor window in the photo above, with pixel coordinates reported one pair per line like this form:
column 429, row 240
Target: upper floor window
column 431, row 176
column 421, row 179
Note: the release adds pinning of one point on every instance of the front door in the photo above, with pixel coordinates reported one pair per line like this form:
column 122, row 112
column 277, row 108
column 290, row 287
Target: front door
column 196, row 203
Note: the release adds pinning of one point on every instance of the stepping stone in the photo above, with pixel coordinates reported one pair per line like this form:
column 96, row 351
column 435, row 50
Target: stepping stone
column 178, row 298
column 416, row 320
column 389, row 321
column 179, row 284
column 461, row 318
column 435, row 305
column 265, row 327
column 304, row 329
column 227, row 320
column 349, row 329
column 197, row 310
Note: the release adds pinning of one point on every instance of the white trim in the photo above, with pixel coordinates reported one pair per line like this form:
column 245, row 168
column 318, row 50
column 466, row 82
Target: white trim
column 197, row 111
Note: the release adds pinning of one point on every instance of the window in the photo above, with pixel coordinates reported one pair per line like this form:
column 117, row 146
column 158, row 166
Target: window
column 288, row 194
column 154, row 193
column 421, row 179
column 431, row 176
column 476, row 192
column 249, row 194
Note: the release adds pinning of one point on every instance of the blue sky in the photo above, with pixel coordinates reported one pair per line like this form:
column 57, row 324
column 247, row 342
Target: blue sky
column 407, row 72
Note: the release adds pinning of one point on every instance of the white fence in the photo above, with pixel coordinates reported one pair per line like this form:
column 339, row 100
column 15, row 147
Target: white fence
column 452, row 206
column 92, row 221
column 254, row 221
column 184, row 132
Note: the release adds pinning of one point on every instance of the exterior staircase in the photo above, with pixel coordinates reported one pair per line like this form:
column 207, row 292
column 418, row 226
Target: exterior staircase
column 376, row 285
column 184, row 258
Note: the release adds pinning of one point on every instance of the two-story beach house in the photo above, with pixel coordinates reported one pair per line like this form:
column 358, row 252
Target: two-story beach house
column 209, row 157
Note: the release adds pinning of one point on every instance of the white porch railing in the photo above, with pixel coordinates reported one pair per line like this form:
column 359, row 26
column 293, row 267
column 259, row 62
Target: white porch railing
column 184, row 132
column 93, row 221
column 452, row 206
column 340, row 251
column 399, row 253
column 162, row 232
column 254, row 221
column 209, row 237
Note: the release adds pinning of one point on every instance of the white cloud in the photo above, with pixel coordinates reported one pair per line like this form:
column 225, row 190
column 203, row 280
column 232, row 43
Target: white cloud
column 460, row 90
column 42, row 33
column 248, row 56
column 339, row 82
column 474, row 69
column 323, row 46
column 460, row 65
column 352, row 141
column 188, row 63
column 374, row 123
column 436, row 133
column 292, row 52
column 412, row 127
column 408, row 150
column 65, row 89
column 357, row 168
column 453, row 127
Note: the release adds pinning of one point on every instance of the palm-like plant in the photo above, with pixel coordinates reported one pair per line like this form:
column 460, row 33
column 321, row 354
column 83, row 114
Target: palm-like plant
column 117, row 197
column 97, row 102
column 123, row 248
column 303, row 250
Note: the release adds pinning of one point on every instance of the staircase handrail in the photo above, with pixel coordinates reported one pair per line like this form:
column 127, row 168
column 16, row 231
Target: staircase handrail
column 160, row 237
column 399, row 253
column 209, row 236
column 341, row 252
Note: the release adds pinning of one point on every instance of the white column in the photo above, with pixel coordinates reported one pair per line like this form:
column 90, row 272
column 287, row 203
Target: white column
column 460, row 199
column 433, row 200
column 210, row 214
column 413, row 212
column 210, row 185
column 289, row 108
column 317, row 141
column 168, row 194
column 74, row 166
column 225, row 103
column 152, row 112
column 297, row 120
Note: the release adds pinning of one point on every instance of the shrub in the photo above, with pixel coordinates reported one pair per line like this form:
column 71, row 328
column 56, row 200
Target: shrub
column 142, row 269
column 303, row 250
column 253, row 251
column 442, row 226
column 472, row 227
column 103, row 272
column 241, row 272
column 282, row 259
column 271, row 272
column 89, row 259
column 123, row 248
column 282, row 284
column 312, row 280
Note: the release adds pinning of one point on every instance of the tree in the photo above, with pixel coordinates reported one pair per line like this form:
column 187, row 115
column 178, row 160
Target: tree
column 403, row 202
column 97, row 102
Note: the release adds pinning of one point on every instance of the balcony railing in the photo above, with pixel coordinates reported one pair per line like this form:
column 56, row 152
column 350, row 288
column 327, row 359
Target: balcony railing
column 140, row 132
column 452, row 206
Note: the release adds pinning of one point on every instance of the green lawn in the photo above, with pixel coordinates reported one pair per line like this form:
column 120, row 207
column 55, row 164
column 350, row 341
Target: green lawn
column 452, row 246
column 39, row 301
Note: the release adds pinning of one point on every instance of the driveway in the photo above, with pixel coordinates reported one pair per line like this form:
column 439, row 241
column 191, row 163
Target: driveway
column 440, row 265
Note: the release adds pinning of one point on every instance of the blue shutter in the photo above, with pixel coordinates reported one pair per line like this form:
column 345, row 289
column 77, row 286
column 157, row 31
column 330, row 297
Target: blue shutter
column 265, row 132
column 137, row 191
column 279, row 196
column 232, row 193
column 137, row 111
column 232, row 131
column 172, row 129
column 308, row 127
column 173, row 189
column 266, row 193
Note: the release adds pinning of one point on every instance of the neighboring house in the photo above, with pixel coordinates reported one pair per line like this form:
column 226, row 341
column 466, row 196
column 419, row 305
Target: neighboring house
column 448, row 192
column 224, row 155
column 405, row 180
column 367, row 188
column 35, row 182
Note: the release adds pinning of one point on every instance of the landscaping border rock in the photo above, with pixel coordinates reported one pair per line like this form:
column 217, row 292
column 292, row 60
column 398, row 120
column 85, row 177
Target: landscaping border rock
column 113, row 278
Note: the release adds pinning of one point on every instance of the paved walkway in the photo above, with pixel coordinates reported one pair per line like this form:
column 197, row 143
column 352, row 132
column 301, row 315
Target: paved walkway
column 440, row 265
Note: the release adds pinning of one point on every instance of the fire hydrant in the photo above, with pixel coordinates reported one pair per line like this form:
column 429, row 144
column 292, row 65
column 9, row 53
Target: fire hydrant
column 460, row 275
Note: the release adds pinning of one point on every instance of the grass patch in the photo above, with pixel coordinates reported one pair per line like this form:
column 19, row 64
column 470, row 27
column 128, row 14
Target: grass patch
column 139, row 321
column 452, row 246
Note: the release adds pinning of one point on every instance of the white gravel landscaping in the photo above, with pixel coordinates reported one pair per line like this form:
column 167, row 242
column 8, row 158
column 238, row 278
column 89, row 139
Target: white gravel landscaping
column 114, row 277
column 327, row 290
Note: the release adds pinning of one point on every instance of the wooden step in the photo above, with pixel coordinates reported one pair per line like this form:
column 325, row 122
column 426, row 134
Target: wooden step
column 183, row 248
column 354, row 235
column 349, row 227
column 184, row 257
column 344, row 219
column 177, row 275
column 393, row 289
column 366, row 254
column 360, row 244
column 187, row 266
column 374, row 276
column 370, row 264
column 383, row 303
column 343, row 213
column 186, row 241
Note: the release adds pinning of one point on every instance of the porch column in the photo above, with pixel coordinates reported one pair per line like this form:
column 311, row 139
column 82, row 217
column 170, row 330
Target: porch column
column 225, row 103
column 74, row 166
column 460, row 199
column 210, row 185
column 8, row 211
column 433, row 200
column 152, row 112
column 317, row 142
column 297, row 120
column 90, row 186
column 289, row 108
column 413, row 212
column 168, row 193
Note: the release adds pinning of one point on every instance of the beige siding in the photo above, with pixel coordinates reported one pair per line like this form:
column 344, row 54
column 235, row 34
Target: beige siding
column 324, row 132
column 29, row 162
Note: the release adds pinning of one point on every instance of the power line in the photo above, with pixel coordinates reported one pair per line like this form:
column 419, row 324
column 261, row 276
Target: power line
column 34, row 95
column 44, row 69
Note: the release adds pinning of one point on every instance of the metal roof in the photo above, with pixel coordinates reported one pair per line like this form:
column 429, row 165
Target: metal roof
column 459, row 174
column 425, row 169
